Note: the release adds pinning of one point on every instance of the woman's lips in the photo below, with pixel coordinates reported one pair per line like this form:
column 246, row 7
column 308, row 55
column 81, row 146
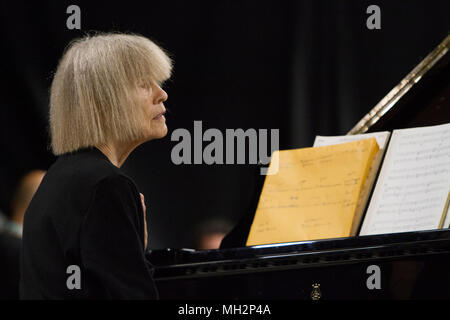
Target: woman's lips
column 160, row 116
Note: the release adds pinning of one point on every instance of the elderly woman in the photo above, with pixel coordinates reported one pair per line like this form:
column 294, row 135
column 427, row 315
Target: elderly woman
column 85, row 231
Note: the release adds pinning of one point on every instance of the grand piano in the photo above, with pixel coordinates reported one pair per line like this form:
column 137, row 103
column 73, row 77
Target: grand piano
column 411, row 265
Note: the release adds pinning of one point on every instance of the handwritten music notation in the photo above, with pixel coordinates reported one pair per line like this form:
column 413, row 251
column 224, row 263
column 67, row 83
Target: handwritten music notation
column 314, row 194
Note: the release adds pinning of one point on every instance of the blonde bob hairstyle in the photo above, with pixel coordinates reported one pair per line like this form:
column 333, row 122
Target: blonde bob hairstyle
column 93, row 96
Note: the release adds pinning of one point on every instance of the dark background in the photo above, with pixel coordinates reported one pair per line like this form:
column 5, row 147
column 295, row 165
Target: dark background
column 304, row 67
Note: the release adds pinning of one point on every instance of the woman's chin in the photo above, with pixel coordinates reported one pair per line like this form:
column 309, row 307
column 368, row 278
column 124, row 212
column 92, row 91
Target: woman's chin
column 163, row 131
column 157, row 133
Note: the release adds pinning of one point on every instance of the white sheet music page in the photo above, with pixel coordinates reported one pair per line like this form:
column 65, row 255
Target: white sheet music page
column 381, row 137
column 414, row 181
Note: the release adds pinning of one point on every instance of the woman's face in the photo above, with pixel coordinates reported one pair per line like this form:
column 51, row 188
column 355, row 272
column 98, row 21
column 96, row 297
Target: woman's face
column 152, row 100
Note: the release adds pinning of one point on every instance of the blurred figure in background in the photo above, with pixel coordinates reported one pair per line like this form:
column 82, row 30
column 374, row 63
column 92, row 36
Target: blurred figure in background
column 11, row 234
column 22, row 197
column 210, row 233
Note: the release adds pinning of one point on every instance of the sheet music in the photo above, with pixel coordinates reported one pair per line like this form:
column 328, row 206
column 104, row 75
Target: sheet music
column 413, row 184
column 382, row 140
column 313, row 195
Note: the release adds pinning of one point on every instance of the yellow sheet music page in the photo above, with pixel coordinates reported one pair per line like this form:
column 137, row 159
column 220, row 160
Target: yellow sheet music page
column 314, row 194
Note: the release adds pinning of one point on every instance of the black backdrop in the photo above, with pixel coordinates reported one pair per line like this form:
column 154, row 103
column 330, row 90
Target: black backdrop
column 304, row 67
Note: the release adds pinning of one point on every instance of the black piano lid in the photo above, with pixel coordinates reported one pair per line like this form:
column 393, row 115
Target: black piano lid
column 422, row 98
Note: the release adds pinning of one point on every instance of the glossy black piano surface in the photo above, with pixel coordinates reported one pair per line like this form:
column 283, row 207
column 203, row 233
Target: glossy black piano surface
column 413, row 265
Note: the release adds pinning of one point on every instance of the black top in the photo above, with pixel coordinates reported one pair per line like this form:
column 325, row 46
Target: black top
column 86, row 213
column 9, row 265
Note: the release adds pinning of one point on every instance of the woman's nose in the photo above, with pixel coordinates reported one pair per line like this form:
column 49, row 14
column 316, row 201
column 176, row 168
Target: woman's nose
column 161, row 96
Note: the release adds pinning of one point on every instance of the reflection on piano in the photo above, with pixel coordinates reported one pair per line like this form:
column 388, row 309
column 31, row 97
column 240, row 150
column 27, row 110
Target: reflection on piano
column 411, row 265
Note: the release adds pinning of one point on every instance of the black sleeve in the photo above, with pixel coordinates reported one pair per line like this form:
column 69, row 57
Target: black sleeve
column 112, row 242
column 9, row 266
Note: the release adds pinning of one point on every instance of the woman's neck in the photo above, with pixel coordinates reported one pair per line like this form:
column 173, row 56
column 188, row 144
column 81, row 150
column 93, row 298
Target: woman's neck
column 117, row 152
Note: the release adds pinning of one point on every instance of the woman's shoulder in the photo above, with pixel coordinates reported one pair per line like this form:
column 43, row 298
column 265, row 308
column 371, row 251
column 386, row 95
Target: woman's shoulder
column 86, row 170
column 116, row 182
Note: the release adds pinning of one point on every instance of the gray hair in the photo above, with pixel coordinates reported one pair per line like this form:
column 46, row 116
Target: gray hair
column 93, row 93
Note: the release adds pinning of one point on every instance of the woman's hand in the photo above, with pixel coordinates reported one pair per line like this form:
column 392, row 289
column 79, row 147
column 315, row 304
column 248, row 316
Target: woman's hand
column 145, row 220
